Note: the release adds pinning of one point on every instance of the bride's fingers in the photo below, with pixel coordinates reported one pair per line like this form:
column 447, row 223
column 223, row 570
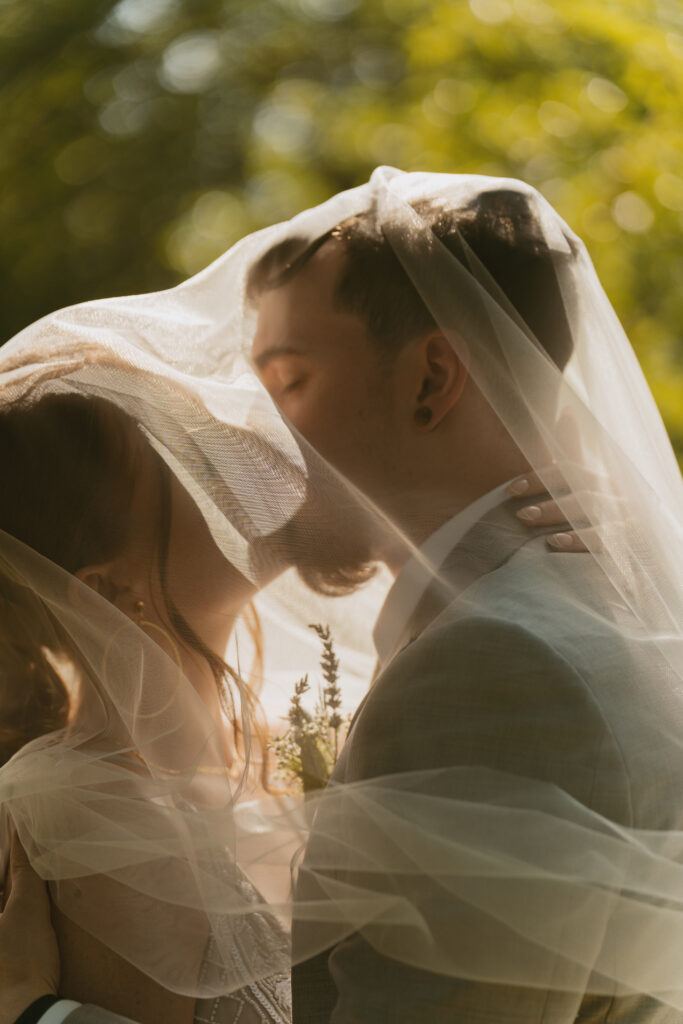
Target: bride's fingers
column 546, row 513
column 550, row 478
column 554, row 478
column 576, row 540
column 528, row 485
column 578, row 509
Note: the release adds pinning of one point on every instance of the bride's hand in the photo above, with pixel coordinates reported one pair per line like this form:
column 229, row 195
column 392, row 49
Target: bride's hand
column 593, row 503
column 29, row 957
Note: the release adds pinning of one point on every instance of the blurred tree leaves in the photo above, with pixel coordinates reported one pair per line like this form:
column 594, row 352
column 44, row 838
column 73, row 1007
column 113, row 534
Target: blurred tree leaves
column 139, row 139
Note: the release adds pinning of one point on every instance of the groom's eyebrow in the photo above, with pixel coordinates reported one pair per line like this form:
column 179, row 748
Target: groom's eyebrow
column 268, row 354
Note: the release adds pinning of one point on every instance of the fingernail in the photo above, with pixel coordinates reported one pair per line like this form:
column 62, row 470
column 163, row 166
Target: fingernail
column 518, row 487
column 561, row 541
column 530, row 514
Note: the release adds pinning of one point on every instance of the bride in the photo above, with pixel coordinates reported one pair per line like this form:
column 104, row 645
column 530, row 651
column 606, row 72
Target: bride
column 84, row 489
column 117, row 603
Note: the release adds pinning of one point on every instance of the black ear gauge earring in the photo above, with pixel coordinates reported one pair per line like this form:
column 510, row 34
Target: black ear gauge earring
column 423, row 415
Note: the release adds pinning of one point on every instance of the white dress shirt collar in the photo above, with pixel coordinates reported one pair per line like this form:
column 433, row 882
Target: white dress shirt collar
column 415, row 576
column 59, row 1012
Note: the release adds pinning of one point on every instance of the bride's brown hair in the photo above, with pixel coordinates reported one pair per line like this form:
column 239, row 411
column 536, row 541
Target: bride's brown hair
column 67, row 464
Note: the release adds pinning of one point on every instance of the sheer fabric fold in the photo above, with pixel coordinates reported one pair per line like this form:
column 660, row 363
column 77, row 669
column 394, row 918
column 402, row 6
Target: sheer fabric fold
column 478, row 869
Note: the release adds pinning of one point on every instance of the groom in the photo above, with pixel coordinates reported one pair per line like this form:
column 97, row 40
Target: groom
column 356, row 363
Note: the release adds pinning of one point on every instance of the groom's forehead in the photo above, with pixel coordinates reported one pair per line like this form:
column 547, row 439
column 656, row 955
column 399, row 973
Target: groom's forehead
column 309, row 294
column 322, row 272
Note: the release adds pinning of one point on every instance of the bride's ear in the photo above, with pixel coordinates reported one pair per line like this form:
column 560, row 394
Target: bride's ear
column 99, row 578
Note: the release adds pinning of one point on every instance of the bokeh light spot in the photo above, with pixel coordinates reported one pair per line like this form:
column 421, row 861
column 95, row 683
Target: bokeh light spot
column 284, row 126
column 192, row 62
column 91, row 217
column 674, row 42
column 328, row 10
column 605, row 95
column 598, row 223
column 455, row 96
column 123, row 118
column 558, row 119
column 492, row 12
column 534, row 11
column 669, row 191
column 142, row 16
column 212, row 224
column 632, row 213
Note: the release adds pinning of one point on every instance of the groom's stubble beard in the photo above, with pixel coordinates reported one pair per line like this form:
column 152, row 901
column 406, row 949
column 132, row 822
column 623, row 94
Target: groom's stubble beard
column 332, row 541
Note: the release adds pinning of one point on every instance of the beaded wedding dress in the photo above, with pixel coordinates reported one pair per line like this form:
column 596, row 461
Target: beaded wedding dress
column 268, row 1001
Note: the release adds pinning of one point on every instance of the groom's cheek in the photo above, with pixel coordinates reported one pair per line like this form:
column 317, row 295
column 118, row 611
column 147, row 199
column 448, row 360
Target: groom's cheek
column 318, row 412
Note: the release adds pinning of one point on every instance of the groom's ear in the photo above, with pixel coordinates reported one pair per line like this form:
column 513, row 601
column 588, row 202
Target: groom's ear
column 440, row 375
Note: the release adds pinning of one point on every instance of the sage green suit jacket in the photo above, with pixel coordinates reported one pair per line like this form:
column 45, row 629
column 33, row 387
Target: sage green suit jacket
column 511, row 680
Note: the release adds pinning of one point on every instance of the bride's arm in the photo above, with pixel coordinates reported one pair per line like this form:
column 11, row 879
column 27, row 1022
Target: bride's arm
column 29, row 958
column 93, row 973
column 29, row 961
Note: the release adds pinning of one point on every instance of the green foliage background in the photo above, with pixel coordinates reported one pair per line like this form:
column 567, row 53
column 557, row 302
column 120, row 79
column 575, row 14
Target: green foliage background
column 139, row 139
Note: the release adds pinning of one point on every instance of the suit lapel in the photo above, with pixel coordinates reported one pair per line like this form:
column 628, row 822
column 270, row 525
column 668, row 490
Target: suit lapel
column 487, row 546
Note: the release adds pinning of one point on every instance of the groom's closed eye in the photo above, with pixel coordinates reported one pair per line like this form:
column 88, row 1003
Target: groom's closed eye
column 293, row 385
column 284, row 375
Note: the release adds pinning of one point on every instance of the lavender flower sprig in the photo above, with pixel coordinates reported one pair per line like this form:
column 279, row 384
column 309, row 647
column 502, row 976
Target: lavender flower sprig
column 332, row 699
column 310, row 747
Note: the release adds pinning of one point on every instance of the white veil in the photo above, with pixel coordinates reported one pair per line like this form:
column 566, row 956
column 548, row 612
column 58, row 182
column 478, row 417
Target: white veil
column 469, row 871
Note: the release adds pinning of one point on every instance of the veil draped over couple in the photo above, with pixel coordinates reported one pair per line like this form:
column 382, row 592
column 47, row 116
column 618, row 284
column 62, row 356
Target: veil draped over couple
column 409, row 414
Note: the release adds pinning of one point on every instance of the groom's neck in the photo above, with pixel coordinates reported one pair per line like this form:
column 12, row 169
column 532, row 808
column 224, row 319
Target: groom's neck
column 426, row 508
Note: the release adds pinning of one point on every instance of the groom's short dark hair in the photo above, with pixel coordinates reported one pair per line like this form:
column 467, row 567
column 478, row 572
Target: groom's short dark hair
column 500, row 227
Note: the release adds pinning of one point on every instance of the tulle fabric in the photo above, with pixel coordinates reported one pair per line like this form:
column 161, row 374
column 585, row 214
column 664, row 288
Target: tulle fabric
column 467, row 871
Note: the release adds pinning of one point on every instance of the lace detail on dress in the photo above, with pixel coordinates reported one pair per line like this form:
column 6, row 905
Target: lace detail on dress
column 256, row 938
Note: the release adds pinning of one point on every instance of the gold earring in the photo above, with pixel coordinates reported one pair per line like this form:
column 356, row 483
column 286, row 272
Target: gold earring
column 139, row 608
